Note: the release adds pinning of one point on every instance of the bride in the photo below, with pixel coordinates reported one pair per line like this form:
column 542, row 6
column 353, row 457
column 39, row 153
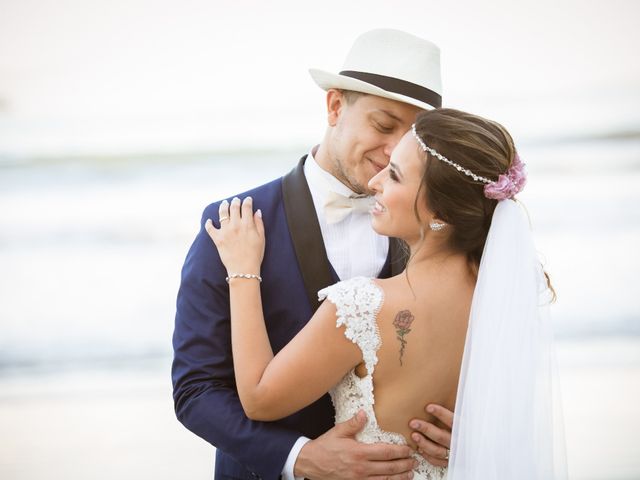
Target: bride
column 464, row 326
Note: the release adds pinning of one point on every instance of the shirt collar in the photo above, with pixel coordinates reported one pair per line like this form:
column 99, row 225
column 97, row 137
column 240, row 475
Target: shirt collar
column 321, row 182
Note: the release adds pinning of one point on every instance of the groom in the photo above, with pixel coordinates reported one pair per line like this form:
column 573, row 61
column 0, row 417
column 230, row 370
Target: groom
column 319, row 232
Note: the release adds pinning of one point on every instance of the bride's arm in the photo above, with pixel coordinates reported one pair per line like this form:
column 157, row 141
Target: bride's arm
column 315, row 360
column 271, row 387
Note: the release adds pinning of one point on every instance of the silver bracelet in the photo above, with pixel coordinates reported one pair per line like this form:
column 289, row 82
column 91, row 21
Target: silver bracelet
column 243, row 275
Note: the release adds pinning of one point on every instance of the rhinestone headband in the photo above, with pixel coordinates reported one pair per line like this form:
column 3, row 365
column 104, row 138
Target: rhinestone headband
column 507, row 185
column 444, row 159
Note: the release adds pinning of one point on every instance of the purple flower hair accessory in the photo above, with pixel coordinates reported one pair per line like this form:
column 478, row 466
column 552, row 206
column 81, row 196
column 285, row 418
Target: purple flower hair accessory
column 509, row 184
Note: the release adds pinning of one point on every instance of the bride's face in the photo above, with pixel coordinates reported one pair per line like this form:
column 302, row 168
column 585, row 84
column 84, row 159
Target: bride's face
column 395, row 189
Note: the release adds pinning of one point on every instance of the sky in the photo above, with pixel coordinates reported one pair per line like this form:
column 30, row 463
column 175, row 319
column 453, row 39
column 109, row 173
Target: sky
column 140, row 75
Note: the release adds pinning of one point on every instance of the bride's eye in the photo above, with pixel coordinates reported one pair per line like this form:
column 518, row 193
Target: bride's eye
column 393, row 176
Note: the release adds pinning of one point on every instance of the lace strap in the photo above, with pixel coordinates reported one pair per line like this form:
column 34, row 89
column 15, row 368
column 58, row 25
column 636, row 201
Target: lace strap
column 357, row 302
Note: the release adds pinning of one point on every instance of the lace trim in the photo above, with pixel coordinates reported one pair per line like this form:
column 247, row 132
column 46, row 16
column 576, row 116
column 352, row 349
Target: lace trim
column 358, row 302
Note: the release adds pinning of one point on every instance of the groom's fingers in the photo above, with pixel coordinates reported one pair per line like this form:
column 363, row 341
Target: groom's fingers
column 384, row 460
column 434, row 442
column 338, row 452
column 391, row 468
column 380, row 452
column 441, row 413
column 432, row 452
column 436, row 435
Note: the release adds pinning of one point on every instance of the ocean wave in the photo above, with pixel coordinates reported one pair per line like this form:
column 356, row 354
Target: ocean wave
column 114, row 356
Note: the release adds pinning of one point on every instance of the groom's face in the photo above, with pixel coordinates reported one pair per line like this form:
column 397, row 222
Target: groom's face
column 365, row 132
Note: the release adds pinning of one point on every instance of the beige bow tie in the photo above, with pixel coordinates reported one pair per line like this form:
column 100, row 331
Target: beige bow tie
column 338, row 207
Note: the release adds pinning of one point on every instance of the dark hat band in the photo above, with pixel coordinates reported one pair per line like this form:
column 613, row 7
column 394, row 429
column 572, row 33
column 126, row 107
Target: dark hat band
column 396, row 85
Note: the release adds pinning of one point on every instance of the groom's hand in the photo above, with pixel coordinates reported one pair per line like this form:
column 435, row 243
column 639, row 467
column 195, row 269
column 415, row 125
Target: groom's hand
column 434, row 441
column 337, row 454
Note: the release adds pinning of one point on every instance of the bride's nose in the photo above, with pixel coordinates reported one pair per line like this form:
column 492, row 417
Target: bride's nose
column 375, row 184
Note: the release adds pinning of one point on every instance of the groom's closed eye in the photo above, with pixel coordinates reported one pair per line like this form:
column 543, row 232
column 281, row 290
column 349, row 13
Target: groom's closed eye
column 385, row 122
column 383, row 128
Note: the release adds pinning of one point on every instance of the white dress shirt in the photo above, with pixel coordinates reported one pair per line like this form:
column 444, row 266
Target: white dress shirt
column 353, row 248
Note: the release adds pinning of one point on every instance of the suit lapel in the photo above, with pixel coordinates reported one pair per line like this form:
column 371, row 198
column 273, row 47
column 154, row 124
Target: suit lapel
column 305, row 233
column 306, row 236
column 396, row 256
column 395, row 262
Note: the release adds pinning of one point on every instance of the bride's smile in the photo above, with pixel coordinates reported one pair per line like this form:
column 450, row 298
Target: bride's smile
column 398, row 194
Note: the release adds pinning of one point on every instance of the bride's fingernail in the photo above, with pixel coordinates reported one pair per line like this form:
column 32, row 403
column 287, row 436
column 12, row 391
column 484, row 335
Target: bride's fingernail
column 248, row 199
column 414, row 425
column 416, row 437
column 235, row 200
column 259, row 213
column 224, row 202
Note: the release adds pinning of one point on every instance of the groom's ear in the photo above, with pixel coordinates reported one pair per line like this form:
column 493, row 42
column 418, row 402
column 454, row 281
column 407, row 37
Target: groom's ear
column 335, row 103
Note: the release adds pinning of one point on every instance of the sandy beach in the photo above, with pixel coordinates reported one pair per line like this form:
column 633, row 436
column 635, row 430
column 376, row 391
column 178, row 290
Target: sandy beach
column 120, row 424
column 101, row 426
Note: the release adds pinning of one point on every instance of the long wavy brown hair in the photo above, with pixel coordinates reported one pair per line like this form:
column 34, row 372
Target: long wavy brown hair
column 477, row 144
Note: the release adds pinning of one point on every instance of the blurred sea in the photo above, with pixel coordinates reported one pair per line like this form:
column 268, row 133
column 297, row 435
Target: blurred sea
column 91, row 249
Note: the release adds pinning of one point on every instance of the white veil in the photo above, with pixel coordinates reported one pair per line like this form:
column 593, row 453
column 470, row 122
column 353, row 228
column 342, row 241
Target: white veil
column 507, row 422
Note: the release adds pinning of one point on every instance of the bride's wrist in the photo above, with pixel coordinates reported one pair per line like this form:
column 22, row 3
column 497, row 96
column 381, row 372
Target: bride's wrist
column 231, row 276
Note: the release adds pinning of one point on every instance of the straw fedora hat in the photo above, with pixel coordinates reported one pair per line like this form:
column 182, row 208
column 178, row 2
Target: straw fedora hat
column 390, row 64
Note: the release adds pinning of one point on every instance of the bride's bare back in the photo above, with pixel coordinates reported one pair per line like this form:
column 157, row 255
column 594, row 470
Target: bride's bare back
column 423, row 333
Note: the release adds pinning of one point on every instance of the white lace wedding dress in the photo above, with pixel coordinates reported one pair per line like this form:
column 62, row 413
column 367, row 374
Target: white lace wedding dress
column 358, row 302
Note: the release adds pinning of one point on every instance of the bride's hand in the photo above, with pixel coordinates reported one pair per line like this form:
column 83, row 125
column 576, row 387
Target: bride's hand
column 240, row 238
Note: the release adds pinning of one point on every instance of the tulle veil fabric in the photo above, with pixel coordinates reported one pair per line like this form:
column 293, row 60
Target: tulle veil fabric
column 508, row 422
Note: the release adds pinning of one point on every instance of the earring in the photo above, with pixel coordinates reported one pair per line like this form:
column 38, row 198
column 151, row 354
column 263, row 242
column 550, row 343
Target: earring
column 437, row 226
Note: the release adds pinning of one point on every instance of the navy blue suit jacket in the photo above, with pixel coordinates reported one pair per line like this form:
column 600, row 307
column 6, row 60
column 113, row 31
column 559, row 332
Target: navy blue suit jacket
column 295, row 267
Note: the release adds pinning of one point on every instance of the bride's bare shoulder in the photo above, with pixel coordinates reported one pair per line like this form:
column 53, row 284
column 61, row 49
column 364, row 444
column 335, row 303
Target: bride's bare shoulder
column 446, row 289
column 453, row 273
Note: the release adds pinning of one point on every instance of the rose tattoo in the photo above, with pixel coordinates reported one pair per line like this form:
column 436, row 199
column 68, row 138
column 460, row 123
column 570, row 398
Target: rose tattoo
column 402, row 322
